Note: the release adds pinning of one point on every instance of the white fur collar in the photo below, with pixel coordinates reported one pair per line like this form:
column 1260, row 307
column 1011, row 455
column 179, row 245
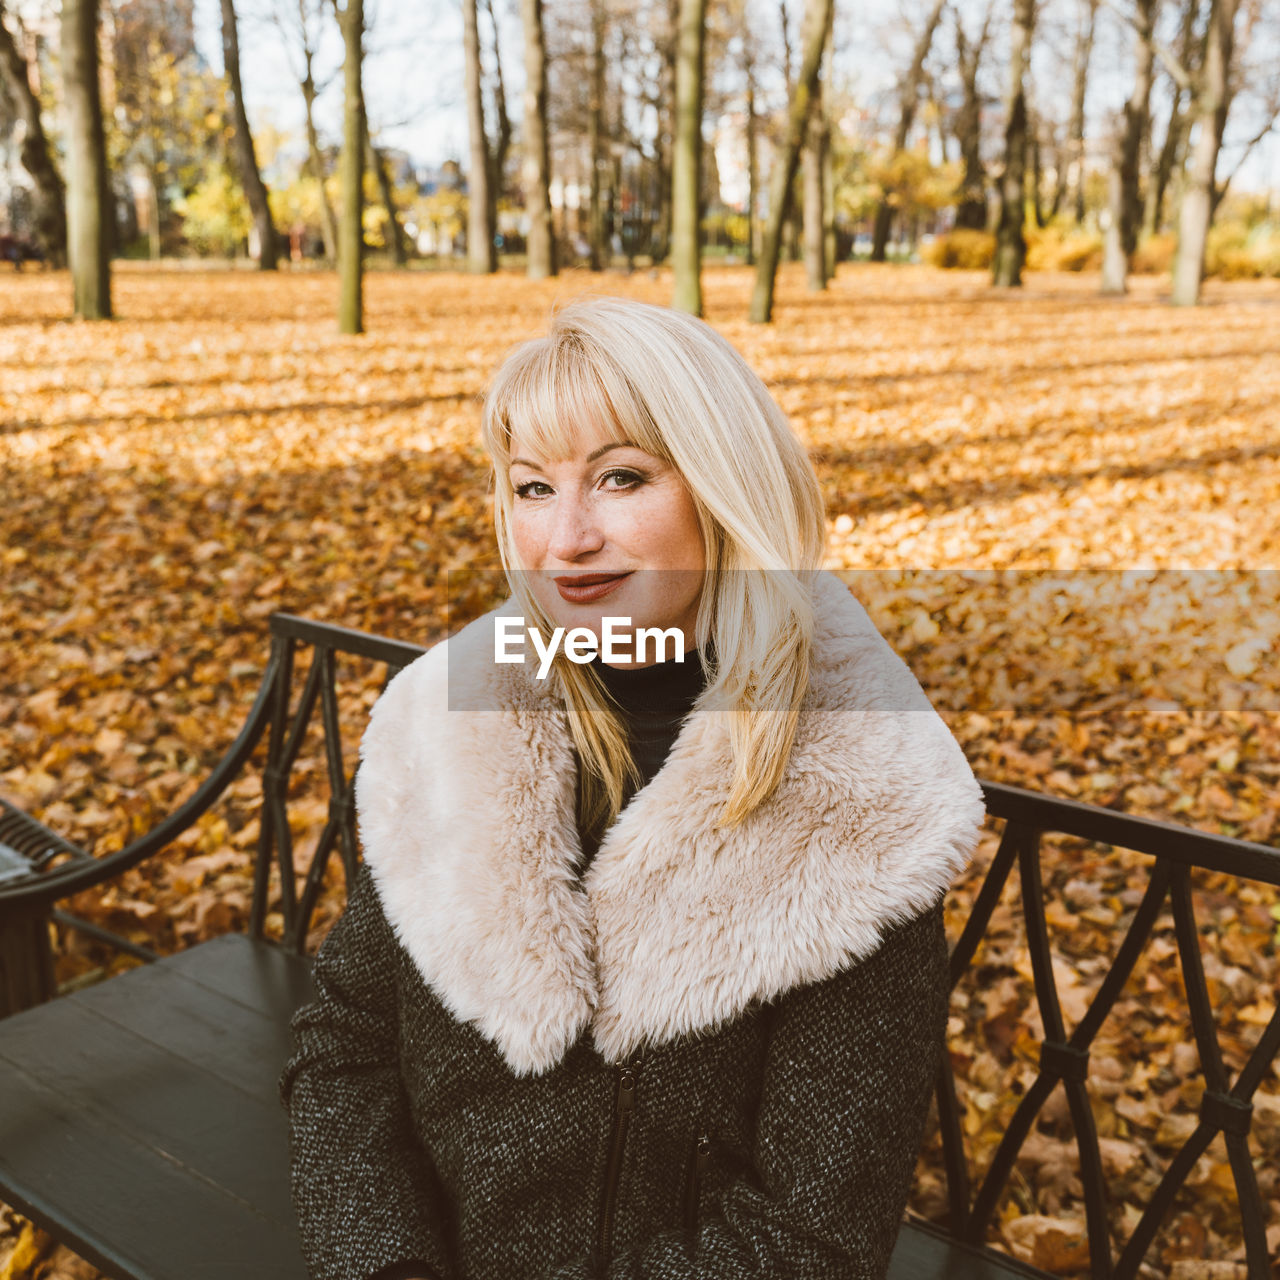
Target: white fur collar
column 467, row 822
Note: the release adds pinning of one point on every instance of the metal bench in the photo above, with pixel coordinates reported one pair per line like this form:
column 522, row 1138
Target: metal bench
column 139, row 1121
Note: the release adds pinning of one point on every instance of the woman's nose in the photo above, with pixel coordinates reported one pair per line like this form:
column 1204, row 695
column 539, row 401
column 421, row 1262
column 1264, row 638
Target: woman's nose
column 575, row 532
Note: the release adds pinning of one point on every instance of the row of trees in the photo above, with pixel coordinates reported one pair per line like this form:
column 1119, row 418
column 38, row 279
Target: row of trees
column 1207, row 72
column 963, row 121
column 638, row 79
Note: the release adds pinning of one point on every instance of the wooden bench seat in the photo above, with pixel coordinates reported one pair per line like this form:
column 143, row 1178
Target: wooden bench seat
column 139, row 1118
column 925, row 1252
column 163, row 1081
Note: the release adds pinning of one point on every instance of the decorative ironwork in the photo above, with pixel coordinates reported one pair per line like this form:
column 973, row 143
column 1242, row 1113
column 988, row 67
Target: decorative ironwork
column 289, row 728
column 1064, row 1058
column 35, row 879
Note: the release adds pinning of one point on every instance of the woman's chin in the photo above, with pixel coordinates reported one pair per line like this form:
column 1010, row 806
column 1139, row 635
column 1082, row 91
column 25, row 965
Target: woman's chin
column 598, row 618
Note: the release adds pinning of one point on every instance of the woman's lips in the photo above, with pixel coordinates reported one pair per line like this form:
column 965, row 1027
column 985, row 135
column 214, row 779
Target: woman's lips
column 583, row 588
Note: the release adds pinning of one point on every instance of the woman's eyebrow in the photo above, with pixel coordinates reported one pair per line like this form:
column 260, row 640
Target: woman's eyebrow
column 604, row 448
column 591, row 457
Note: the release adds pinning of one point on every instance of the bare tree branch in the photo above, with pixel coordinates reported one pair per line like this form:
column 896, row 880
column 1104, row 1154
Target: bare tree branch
column 1180, row 75
column 1268, row 128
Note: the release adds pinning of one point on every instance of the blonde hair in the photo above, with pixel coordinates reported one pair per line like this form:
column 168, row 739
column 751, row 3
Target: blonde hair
column 669, row 384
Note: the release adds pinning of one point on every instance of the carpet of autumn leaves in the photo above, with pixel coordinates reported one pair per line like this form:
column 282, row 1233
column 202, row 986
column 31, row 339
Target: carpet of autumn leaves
column 1061, row 510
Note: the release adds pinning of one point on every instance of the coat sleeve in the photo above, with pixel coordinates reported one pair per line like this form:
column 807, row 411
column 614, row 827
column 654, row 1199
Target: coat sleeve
column 850, row 1068
column 367, row 1199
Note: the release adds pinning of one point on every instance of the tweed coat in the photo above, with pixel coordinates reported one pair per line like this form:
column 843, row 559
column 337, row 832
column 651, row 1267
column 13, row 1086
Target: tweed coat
column 712, row 1056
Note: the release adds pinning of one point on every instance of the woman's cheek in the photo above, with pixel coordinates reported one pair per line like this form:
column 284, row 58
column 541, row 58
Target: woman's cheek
column 526, row 538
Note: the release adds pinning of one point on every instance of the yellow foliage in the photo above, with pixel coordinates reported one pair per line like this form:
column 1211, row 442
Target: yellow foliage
column 1055, row 248
column 299, row 202
column 215, row 217
column 911, row 182
column 445, row 210
column 1238, row 252
column 968, row 250
column 1154, row 255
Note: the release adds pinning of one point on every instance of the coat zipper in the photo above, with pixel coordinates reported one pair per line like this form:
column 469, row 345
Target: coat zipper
column 624, row 1105
column 693, row 1191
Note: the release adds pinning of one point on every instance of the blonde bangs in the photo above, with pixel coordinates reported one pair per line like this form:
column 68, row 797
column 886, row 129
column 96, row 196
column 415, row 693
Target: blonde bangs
column 550, row 389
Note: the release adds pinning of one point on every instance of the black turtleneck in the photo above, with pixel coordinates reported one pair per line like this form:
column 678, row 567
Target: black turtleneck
column 652, row 703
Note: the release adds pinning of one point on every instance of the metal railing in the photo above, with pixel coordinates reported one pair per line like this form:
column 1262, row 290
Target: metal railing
column 1226, row 1106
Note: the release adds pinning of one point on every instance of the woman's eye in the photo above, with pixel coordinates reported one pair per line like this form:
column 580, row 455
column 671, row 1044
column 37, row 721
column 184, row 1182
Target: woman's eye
column 532, row 489
column 622, row 479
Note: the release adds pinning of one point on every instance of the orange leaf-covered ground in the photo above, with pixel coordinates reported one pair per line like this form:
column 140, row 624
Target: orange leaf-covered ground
column 219, row 452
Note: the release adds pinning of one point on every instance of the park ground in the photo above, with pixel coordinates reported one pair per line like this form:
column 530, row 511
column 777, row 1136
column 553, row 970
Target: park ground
column 1061, row 509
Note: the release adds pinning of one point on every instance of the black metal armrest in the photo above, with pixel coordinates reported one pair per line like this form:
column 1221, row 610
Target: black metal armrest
column 1175, row 841
column 33, row 877
column 27, row 847
column 28, row 881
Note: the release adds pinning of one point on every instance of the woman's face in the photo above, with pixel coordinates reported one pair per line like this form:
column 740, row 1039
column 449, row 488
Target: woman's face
column 610, row 531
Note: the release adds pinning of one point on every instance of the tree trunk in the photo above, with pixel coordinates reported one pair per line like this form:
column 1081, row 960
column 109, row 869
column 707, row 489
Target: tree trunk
column 595, row 138
column 1197, row 197
column 660, row 245
column 971, row 208
column 482, row 256
column 1162, row 169
column 535, row 165
column 155, row 246
column 37, row 159
column 1037, row 174
column 1171, row 150
column 881, row 226
column 255, row 192
column 828, row 185
column 686, row 168
column 1011, row 247
column 1124, row 197
column 88, row 196
column 817, row 31
column 351, row 230
column 124, row 225
column 815, row 147
column 792, row 237
column 1070, row 183
column 502, row 143
column 753, row 169
column 1115, row 262
column 613, row 219
column 328, row 224
column 908, row 94
column 665, row 146
column 395, row 232
column 792, row 230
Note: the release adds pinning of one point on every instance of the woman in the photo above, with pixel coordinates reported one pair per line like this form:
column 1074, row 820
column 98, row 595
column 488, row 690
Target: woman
column 644, row 975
